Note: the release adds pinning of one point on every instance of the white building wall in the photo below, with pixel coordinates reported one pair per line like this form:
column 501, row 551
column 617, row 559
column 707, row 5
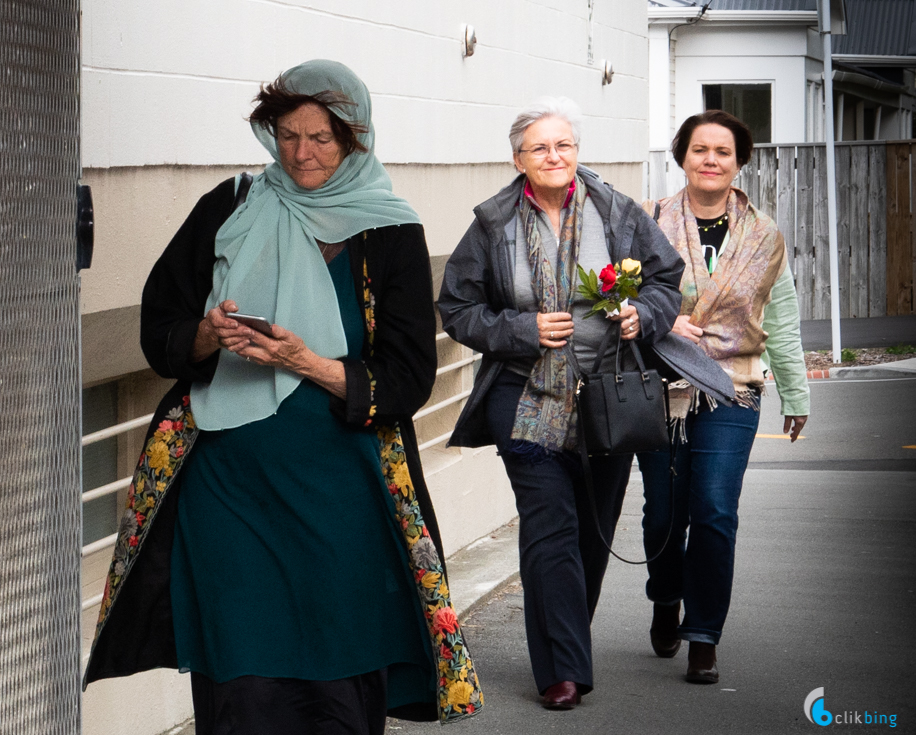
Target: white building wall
column 170, row 82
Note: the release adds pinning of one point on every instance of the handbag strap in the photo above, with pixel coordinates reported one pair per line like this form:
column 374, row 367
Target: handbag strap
column 590, row 493
column 241, row 194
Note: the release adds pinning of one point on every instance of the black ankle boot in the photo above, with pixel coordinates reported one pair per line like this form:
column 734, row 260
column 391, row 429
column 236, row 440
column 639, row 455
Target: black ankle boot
column 663, row 633
column 701, row 664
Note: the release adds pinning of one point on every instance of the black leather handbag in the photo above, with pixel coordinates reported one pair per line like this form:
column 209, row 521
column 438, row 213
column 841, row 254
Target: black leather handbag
column 622, row 412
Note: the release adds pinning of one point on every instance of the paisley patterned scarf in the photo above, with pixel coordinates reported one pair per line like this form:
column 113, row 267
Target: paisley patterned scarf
column 545, row 419
column 728, row 304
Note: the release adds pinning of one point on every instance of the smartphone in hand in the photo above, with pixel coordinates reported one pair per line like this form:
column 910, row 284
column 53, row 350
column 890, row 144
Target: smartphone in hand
column 258, row 323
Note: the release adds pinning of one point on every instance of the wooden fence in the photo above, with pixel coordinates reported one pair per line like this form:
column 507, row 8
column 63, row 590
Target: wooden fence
column 876, row 201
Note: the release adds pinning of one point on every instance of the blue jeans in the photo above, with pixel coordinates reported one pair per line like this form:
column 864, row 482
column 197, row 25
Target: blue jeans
column 710, row 471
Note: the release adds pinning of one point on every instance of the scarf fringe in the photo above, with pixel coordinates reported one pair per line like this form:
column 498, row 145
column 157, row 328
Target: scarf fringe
column 746, row 397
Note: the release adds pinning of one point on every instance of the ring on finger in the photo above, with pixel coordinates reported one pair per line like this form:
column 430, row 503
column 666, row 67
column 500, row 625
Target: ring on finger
column 551, row 335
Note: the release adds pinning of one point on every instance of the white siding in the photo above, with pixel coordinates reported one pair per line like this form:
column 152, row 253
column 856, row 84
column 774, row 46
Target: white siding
column 170, row 82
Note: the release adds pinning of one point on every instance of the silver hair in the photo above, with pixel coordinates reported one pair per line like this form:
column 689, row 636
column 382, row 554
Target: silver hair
column 561, row 107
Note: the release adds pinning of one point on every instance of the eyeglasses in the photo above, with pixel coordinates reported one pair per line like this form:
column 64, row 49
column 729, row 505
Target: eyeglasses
column 541, row 151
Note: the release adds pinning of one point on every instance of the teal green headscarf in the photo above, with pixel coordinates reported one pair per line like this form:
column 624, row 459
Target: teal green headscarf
column 269, row 263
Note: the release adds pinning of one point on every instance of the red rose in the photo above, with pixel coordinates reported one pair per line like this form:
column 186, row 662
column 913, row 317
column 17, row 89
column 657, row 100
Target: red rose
column 178, row 425
column 186, row 400
column 140, row 518
column 470, row 708
column 445, row 620
column 179, row 451
column 608, row 278
column 134, row 541
column 445, row 652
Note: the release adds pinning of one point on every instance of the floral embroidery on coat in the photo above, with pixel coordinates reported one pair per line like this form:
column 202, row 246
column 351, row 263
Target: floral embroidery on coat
column 459, row 692
column 159, row 463
column 369, row 312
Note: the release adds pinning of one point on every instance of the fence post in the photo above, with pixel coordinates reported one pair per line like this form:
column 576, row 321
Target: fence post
column 899, row 255
column 877, row 230
column 822, row 301
column 804, row 242
column 842, row 225
column 785, row 199
column 858, row 231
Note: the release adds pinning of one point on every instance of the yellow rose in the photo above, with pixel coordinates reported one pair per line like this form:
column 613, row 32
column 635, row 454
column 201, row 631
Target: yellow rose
column 460, row 693
column 633, row 267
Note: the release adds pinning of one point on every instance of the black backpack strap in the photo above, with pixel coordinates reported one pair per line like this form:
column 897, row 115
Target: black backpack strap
column 658, row 211
column 241, row 193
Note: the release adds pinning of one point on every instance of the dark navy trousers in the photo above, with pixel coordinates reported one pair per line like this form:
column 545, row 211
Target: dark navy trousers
column 562, row 559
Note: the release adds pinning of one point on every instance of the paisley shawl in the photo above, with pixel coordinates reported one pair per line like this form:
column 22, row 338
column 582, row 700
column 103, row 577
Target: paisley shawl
column 729, row 304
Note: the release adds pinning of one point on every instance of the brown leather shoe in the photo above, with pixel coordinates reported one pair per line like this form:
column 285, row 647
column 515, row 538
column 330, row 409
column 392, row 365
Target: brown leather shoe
column 663, row 633
column 564, row 695
column 701, row 664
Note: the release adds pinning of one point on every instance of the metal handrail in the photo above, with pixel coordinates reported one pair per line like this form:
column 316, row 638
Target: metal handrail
column 458, row 365
column 442, row 404
column 102, row 543
column 102, row 490
column 433, row 442
column 122, row 428
column 93, row 601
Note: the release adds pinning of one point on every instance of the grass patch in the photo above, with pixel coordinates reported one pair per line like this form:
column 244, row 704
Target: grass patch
column 901, row 350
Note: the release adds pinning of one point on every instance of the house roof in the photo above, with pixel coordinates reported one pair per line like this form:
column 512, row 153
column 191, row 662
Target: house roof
column 878, row 27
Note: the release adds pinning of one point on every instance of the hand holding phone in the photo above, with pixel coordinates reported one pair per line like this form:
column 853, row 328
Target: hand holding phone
column 258, row 323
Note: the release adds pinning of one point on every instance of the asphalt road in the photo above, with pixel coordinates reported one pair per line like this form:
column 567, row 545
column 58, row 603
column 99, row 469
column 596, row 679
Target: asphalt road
column 825, row 595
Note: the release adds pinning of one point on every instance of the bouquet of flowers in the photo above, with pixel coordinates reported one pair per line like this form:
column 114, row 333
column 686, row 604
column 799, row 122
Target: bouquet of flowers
column 611, row 288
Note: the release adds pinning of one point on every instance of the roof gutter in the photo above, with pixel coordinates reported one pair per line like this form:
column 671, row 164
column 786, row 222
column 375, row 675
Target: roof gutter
column 861, row 80
column 875, row 60
column 769, row 17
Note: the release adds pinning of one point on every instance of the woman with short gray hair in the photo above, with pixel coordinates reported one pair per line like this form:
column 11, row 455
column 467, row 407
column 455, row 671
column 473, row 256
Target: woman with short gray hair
column 509, row 292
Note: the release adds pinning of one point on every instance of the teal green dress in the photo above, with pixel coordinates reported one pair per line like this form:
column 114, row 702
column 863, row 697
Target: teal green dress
column 287, row 561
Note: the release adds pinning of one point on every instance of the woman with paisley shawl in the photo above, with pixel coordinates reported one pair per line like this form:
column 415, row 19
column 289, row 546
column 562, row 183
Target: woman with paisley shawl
column 294, row 567
column 739, row 305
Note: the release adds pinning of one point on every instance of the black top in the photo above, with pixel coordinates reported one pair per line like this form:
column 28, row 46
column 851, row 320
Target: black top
column 712, row 234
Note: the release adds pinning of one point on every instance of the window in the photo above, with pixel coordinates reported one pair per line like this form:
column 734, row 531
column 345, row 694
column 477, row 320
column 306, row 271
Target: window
column 750, row 103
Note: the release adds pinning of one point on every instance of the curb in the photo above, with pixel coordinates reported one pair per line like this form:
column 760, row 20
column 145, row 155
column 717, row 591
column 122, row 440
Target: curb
column 812, row 375
column 864, row 372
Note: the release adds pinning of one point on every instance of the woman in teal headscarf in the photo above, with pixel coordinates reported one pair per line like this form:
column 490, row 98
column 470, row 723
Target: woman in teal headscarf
column 294, row 567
